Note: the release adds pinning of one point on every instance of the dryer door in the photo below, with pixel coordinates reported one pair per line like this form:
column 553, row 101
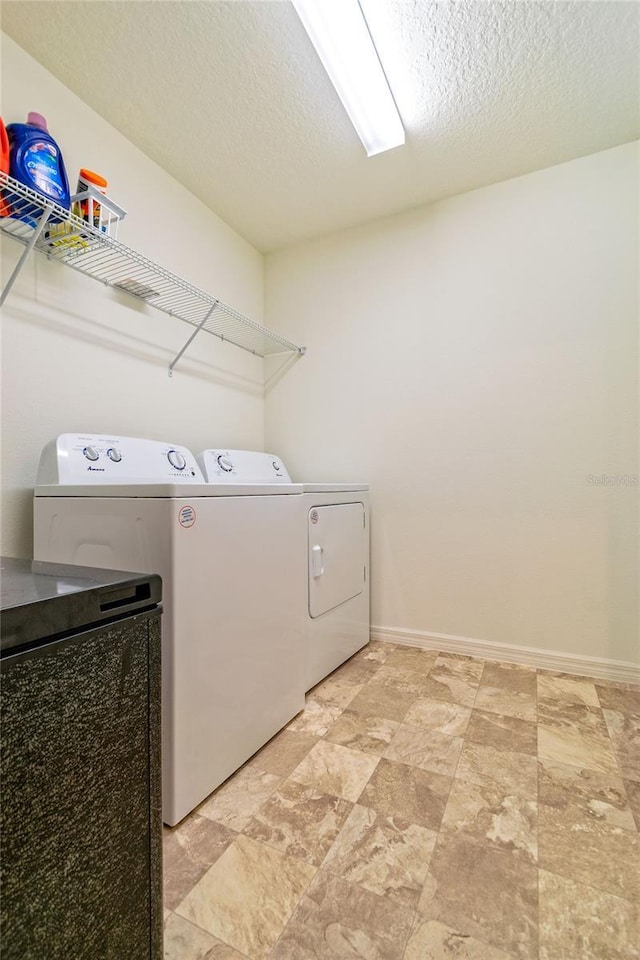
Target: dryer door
column 336, row 555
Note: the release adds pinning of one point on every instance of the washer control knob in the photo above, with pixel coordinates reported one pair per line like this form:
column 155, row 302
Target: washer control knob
column 114, row 454
column 225, row 463
column 276, row 465
column 176, row 459
column 91, row 453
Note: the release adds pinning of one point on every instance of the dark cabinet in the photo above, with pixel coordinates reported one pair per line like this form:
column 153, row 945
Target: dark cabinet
column 81, row 807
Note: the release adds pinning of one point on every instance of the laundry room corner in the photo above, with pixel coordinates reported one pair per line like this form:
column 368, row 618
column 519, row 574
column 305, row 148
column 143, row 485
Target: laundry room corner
column 320, row 471
column 77, row 355
column 476, row 361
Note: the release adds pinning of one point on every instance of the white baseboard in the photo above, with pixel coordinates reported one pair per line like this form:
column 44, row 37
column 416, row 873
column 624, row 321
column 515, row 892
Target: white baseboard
column 620, row 670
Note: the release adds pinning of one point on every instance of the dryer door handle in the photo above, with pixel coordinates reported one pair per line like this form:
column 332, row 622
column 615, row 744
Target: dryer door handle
column 317, row 568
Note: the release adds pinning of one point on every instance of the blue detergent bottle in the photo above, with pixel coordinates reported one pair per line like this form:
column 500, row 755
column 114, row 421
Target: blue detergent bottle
column 36, row 160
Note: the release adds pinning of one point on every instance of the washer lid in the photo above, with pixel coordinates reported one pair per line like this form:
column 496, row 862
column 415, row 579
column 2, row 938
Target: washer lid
column 333, row 487
column 191, row 491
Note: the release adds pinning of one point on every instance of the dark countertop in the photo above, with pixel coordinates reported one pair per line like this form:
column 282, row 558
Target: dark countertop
column 40, row 601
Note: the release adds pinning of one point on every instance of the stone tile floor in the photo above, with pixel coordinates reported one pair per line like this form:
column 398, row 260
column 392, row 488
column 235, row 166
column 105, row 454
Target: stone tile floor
column 423, row 806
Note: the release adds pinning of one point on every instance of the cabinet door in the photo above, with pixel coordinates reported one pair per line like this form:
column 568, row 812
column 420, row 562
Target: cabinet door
column 76, row 845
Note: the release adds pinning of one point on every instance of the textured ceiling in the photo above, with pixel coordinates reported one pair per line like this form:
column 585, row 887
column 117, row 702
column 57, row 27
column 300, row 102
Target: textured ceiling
column 230, row 98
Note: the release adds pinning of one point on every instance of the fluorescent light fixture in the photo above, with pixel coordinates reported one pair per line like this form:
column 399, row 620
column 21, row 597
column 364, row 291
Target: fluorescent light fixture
column 339, row 32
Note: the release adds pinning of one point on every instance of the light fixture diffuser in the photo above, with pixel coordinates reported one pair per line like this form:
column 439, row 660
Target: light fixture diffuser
column 339, row 32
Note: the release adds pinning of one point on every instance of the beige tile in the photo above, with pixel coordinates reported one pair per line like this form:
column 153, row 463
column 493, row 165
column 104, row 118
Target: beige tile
column 237, row 801
column 578, row 922
column 222, row 951
column 357, row 671
column 625, row 699
column 403, row 679
column 412, row 658
column 577, row 746
column 316, row 718
column 472, row 666
column 438, row 716
column 432, row 940
column 508, row 689
column 454, row 680
column 377, row 650
column 337, row 920
column 334, row 769
column 283, row 752
column 633, row 795
column 425, row 749
column 188, row 851
column 184, row 941
column 575, row 845
column 364, row 806
column 616, row 684
column 246, row 898
column 624, row 731
column 378, row 700
column 510, row 676
column 483, row 893
column 601, row 796
column 335, row 691
column 356, row 730
column 398, row 790
column 511, row 703
column 506, row 820
column 572, row 716
column 503, row 732
column 383, row 854
column 567, row 689
column 511, row 772
column 300, row 821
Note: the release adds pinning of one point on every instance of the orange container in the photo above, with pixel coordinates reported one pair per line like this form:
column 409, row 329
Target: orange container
column 89, row 210
column 4, row 164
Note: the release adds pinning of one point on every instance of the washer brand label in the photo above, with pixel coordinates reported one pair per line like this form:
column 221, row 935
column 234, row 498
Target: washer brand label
column 314, row 516
column 187, row 516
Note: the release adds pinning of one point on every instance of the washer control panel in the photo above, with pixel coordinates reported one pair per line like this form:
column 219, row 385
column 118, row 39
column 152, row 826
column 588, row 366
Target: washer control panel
column 242, row 466
column 85, row 458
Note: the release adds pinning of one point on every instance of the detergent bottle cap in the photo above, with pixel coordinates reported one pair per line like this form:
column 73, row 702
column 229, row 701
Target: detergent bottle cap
column 37, row 120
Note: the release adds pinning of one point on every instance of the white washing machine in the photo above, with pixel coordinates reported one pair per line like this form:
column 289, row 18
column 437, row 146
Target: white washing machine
column 335, row 557
column 232, row 633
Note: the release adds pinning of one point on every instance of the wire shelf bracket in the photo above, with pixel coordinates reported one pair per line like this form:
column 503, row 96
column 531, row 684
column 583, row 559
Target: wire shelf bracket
column 39, row 227
column 191, row 339
column 38, row 224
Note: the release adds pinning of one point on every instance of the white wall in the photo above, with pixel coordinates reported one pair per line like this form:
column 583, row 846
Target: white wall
column 79, row 357
column 476, row 361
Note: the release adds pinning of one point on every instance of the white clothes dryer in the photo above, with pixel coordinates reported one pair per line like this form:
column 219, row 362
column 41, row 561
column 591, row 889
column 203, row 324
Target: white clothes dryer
column 337, row 612
column 335, row 557
column 232, row 631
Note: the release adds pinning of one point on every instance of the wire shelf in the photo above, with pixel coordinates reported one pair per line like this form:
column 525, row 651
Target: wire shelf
column 42, row 225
